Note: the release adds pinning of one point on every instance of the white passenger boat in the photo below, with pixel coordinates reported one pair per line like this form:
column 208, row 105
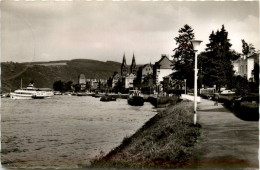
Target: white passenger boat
column 31, row 92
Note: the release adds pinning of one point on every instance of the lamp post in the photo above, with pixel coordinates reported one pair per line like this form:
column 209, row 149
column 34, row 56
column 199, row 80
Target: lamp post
column 195, row 44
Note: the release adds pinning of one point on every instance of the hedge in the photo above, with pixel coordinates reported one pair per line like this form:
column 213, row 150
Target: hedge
column 247, row 110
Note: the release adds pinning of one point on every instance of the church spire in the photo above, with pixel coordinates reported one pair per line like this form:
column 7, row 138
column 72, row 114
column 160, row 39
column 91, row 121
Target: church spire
column 133, row 60
column 133, row 65
column 123, row 67
column 124, row 61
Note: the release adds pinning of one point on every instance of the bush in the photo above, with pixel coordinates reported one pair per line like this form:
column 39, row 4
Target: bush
column 247, row 110
column 228, row 100
column 252, row 97
column 177, row 92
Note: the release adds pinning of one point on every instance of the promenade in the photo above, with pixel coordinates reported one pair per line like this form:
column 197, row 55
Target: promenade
column 225, row 141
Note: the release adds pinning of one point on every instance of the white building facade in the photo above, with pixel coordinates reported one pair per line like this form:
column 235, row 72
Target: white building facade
column 244, row 67
column 162, row 68
column 129, row 81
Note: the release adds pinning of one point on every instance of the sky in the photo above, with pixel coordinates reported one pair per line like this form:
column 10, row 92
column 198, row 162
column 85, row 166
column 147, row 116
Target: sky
column 49, row 31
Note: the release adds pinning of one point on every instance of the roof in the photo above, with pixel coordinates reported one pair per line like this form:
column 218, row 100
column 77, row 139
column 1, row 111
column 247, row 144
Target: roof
column 164, row 63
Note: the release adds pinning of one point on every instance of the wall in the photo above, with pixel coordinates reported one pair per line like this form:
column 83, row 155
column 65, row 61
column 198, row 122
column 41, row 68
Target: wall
column 162, row 73
column 189, row 97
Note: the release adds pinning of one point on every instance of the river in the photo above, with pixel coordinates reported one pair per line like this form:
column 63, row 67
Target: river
column 65, row 131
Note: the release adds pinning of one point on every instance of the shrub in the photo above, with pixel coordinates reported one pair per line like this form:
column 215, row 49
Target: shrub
column 251, row 97
column 244, row 107
column 228, row 100
column 177, row 92
column 247, row 110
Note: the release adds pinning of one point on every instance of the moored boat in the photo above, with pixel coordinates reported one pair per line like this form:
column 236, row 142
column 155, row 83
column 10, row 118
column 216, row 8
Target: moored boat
column 5, row 95
column 135, row 98
column 107, row 98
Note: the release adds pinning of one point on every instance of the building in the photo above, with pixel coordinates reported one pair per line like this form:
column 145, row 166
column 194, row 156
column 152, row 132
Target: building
column 143, row 72
column 115, row 79
column 148, row 81
column 162, row 68
column 133, row 67
column 82, row 82
column 94, row 84
column 128, row 74
column 124, row 69
column 146, row 70
column 129, row 81
column 244, row 67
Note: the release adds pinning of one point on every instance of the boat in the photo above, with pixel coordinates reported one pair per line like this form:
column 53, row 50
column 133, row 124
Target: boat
column 57, row 93
column 5, row 95
column 107, row 98
column 44, row 92
column 30, row 92
column 135, row 98
column 81, row 94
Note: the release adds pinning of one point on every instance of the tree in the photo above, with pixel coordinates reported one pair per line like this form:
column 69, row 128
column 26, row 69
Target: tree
column 256, row 73
column 68, row 85
column 235, row 55
column 242, row 86
column 217, row 68
column 184, row 56
column 247, row 49
column 58, row 86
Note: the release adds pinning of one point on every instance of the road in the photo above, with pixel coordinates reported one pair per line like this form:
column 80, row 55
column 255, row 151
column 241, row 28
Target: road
column 225, row 141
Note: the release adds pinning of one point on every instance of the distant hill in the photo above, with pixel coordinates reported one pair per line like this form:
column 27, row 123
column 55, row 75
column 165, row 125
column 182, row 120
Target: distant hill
column 44, row 74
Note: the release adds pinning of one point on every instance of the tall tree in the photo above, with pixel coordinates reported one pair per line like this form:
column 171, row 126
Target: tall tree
column 184, row 56
column 216, row 61
column 248, row 49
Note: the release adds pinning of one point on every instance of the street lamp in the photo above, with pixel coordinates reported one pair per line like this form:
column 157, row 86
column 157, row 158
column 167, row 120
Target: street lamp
column 195, row 44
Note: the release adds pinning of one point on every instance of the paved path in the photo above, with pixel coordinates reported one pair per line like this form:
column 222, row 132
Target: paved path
column 225, row 141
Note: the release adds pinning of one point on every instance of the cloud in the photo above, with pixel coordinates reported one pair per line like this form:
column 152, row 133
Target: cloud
column 104, row 30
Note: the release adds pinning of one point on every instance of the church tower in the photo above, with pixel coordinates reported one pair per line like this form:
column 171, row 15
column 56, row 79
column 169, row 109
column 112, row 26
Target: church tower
column 123, row 67
column 133, row 67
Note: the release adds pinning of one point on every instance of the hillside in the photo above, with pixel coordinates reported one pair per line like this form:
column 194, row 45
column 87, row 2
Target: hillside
column 44, row 75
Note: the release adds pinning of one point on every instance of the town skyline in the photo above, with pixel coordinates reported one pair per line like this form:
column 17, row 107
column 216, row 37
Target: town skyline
column 104, row 31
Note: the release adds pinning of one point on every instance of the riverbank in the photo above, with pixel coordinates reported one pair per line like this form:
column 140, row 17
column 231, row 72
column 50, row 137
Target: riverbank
column 166, row 140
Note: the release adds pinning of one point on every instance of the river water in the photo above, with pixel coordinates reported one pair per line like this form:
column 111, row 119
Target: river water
column 65, row 131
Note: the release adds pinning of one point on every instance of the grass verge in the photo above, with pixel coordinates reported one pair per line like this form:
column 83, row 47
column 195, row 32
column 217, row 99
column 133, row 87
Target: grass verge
column 166, row 140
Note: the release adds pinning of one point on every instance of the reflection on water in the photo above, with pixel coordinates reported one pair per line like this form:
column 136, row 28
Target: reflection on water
column 65, row 130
